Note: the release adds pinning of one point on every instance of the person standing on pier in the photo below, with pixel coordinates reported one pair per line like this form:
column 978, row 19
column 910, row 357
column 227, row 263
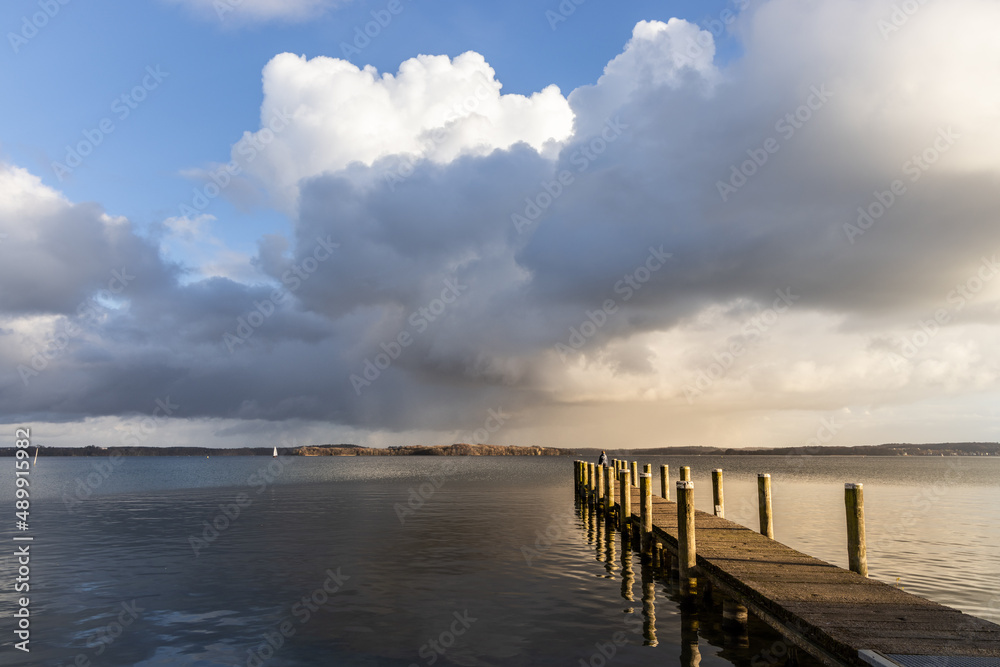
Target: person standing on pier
column 602, row 460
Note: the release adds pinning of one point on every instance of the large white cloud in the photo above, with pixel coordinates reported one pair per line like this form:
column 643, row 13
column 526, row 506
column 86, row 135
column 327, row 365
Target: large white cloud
column 433, row 108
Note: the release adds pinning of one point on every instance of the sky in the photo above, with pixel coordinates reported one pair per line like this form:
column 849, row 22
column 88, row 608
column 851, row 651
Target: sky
column 741, row 223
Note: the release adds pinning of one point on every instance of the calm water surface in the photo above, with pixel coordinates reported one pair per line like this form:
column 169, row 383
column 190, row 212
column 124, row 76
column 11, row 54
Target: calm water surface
column 438, row 561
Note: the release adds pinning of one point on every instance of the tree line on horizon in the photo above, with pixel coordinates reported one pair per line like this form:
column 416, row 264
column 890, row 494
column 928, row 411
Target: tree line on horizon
column 463, row 449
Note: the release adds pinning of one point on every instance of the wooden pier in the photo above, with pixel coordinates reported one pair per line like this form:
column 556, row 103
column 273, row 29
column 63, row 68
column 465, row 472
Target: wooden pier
column 838, row 616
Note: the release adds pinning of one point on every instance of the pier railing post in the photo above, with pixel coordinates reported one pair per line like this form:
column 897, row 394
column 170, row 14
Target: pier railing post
column 624, row 501
column 609, row 492
column 685, row 473
column 717, row 497
column 646, row 512
column 687, row 557
column 857, row 554
column 599, row 491
column 665, row 482
column 764, row 504
column 591, row 483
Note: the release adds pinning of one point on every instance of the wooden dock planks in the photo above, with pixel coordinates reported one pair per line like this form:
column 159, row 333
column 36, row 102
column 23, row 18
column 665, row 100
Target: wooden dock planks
column 832, row 612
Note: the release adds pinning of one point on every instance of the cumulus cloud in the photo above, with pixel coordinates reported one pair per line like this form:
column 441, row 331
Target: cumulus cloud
column 809, row 230
column 323, row 114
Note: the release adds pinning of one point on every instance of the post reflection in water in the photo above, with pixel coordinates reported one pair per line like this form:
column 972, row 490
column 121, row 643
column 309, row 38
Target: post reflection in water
column 690, row 655
column 609, row 550
column 734, row 624
column 628, row 577
column 599, row 542
column 589, row 514
column 648, row 605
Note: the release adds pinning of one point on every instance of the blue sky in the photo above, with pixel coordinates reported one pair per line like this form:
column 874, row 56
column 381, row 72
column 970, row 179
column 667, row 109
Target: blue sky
column 64, row 80
column 631, row 224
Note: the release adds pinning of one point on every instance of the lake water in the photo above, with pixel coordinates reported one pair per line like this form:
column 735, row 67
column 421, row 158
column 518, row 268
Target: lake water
column 437, row 561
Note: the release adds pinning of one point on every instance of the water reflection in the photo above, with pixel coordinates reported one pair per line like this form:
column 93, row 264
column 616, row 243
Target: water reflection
column 599, row 543
column 609, row 549
column 690, row 653
column 628, row 576
column 710, row 625
column 648, row 605
column 589, row 516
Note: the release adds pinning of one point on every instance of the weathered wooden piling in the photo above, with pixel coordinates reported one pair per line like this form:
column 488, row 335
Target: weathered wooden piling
column 646, row 512
column 599, row 490
column 609, row 492
column 685, row 473
column 624, row 500
column 591, row 483
column 857, row 554
column 665, row 482
column 764, row 504
column 686, row 549
column 717, row 498
column 635, row 473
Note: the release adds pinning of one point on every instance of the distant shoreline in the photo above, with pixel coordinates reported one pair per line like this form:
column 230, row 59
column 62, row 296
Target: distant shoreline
column 461, row 449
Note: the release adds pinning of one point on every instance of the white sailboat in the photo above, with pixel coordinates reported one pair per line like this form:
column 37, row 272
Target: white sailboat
column 36, row 456
column 275, row 452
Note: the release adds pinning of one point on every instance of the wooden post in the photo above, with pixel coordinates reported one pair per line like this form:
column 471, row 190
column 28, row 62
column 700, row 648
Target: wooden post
column 635, row 473
column 646, row 512
column 625, row 500
column 609, row 492
column 686, row 548
column 591, row 483
column 599, row 490
column 578, row 474
column 764, row 504
column 717, row 497
column 665, row 482
column 857, row 554
column 685, row 473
